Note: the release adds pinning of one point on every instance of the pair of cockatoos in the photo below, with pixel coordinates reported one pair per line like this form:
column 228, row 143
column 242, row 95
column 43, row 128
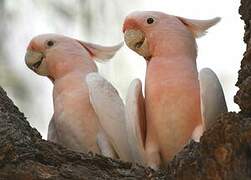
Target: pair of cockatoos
column 89, row 114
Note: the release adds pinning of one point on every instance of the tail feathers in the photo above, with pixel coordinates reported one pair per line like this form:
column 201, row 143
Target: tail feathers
column 135, row 121
column 52, row 132
column 212, row 97
column 105, row 146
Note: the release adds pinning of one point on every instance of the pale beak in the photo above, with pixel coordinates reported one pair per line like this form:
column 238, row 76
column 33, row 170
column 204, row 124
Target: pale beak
column 136, row 40
column 35, row 61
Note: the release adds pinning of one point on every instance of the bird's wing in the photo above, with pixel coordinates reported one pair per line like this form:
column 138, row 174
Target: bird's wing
column 109, row 108
column 52, row 132
column 212, row 97
column 136, row 120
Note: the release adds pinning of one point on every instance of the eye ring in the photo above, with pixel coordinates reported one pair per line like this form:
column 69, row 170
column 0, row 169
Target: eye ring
column 150, row 20
column 50, row 43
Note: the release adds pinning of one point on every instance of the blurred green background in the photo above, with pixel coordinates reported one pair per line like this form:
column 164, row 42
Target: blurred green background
column 100, row 21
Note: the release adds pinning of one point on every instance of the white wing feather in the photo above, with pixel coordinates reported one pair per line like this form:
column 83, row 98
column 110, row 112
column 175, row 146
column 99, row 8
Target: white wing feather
column 109, row 108
column 135, row 121
column 212, row 97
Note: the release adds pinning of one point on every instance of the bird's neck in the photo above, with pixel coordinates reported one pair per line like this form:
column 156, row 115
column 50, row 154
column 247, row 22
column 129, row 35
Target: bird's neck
column 171, row 71
column 65, row 67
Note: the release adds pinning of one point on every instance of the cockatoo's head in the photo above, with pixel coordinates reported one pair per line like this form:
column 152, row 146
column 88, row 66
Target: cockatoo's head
column 51, row 54
column 151, row 33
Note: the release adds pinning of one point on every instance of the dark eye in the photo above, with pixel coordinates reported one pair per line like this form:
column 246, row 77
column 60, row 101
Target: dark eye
column 150, row 20
column 50, row 43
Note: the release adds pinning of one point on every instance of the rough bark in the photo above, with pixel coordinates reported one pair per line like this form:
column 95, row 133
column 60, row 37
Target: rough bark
column 223, row 153
column 243, row 96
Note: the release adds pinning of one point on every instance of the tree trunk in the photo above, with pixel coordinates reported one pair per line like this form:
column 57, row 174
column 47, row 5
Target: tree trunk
column 223, row 153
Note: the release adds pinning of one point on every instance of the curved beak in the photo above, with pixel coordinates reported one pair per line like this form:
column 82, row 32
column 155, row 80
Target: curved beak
column 136, row 40
column 35, row 61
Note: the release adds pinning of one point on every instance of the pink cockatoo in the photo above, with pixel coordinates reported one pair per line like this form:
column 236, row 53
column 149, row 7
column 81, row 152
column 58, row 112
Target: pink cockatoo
column 75, row 124
column 172, row 112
